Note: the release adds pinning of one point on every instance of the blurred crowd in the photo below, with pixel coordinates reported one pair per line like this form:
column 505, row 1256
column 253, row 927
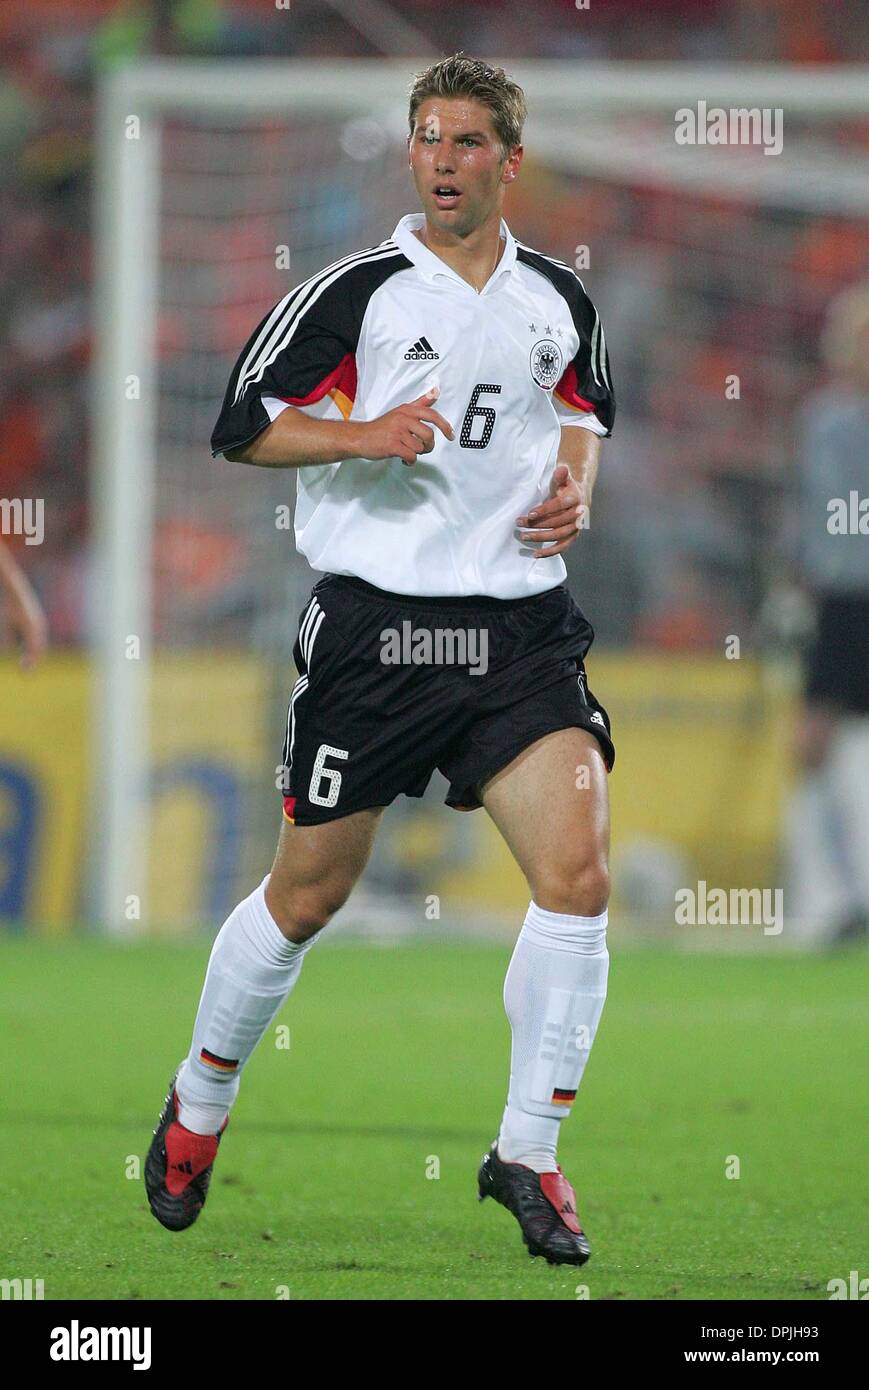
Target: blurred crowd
column 702, row 295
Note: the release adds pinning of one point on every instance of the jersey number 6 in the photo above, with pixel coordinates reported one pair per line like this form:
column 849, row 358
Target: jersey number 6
column 331, row 774
column 473, row 411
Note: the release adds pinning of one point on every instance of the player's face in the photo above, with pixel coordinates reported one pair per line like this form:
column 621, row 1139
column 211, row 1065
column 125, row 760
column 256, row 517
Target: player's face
column 457, row 163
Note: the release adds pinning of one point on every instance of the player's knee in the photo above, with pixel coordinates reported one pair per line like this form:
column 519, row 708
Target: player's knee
column 579, row 890
column 301, row 912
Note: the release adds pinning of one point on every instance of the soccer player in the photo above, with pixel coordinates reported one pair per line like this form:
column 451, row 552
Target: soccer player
column 827, row 822
column 442, row 396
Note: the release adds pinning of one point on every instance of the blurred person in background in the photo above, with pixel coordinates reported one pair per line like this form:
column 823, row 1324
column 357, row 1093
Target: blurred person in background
column 827, row 826
column 21, row 613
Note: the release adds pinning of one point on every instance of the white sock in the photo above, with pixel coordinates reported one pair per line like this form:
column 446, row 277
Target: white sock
column 554, row 995
column 251, row 971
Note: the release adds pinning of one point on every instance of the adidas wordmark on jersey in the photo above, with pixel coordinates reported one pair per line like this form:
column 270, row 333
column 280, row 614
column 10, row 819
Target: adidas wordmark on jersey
column 513, row 364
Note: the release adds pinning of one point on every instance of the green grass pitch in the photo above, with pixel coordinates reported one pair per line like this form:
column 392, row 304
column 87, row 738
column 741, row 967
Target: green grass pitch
column 398, row 1058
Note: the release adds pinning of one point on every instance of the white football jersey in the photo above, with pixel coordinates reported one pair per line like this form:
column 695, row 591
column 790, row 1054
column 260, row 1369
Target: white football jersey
column 514, row 363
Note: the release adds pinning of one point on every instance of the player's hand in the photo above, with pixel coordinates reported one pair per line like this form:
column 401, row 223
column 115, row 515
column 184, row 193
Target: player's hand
column 405, row 432
column 25, row 620
column 556, row 523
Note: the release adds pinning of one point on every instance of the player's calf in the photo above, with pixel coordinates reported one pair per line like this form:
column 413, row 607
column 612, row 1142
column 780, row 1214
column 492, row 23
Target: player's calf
column 315, row 870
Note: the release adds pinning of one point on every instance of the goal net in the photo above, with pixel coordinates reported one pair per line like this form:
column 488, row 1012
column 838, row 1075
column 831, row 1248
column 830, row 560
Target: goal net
column 223, row 185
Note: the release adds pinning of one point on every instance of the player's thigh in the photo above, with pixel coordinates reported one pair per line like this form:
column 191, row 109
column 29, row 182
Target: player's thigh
column 316, row 867
column 551, row 805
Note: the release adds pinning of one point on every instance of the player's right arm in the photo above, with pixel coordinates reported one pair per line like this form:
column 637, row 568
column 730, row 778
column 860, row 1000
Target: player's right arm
column 290, row 398
column 296, row 440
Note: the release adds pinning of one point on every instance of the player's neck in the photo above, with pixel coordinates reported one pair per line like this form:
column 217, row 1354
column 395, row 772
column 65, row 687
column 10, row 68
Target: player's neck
column 474, row 258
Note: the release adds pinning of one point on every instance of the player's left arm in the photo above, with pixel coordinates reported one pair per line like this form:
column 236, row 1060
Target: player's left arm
column 557, row 522
column 585, row 405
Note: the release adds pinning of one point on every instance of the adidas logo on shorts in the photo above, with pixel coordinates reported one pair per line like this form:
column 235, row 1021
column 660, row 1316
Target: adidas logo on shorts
column 422, row 351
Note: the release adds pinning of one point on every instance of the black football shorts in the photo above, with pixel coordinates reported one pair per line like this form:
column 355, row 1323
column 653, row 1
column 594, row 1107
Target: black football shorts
column 837, row 665
column 391, row 687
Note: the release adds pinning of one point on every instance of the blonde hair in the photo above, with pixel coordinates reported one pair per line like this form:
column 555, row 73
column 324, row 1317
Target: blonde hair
column 847, row 318
column 460, row 76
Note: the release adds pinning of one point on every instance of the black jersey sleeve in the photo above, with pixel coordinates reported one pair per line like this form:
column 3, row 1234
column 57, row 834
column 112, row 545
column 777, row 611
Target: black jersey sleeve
column 586, row 385
column 305, row 347
column 301, row 350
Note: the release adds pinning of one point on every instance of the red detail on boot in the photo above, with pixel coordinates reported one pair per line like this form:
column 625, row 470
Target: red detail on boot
column 559, row 1192
column 187, row 1155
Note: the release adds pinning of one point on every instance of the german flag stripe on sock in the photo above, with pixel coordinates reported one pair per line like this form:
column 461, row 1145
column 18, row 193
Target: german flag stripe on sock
column 218, row 1063
column 563, row 1097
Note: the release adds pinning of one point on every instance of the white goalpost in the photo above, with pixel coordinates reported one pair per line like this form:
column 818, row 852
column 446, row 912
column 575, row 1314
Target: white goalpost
column 206, row 172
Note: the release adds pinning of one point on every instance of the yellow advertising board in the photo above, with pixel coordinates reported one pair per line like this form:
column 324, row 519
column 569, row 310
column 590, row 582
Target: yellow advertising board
column 209, row 745
column 701, row 773
column 43, row 775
